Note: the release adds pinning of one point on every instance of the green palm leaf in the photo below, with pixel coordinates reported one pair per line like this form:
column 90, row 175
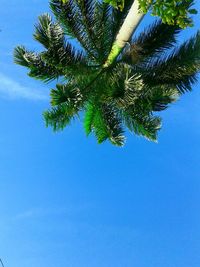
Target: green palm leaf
column 105, row 123
column 58, row 117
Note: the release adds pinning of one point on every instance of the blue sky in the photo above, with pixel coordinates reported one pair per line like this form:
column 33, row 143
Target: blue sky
column 66, row 201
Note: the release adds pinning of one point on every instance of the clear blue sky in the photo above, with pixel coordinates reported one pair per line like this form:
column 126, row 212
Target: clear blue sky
column 67, row 202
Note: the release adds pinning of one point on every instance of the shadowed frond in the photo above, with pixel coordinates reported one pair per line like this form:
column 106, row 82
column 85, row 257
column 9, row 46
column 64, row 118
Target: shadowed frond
column 102, row 28
column 143, row 125
column 66, row 93
column 113, row 125
column 48, row 33
column 39, row 69
column 159, row 98
column 69, row 16
column 178, row 69
column 59, row 52
column 151, row 42
column 19, row 56
column 78, row 19
column 85, row 9
column 67, row 101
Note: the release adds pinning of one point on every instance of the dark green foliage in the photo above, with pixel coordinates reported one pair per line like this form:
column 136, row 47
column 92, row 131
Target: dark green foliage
column 150, row 74
column 67, row 94
column 179, row 68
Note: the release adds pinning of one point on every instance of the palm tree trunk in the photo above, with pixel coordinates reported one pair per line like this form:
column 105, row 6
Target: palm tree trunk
column 129, row 26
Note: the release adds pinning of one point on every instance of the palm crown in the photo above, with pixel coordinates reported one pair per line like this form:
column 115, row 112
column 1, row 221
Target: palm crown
column 148, row 75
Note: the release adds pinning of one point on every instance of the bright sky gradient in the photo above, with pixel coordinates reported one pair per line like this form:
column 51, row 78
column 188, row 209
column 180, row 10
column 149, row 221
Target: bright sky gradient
column 66, row 201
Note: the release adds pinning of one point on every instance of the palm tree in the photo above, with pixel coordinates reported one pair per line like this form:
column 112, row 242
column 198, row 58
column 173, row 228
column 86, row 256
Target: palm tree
column 112, row 93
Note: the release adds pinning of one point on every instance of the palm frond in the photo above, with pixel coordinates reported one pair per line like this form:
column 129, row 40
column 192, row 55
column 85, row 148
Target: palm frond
column 66, row 101
column 178, row 69
column 143, row 125
column 159, row 98
column 48, row 33
column 19, row 56
column 151, row 42
column 103, row 30
column 86, row 12
column 66, row 93
column 96, row 124
column 58, row 117
column 76, row 24
column 89, row 118
column 105, row 123
column 59, row 52
column 127, row 83
column 113, row 125
column 39, row 69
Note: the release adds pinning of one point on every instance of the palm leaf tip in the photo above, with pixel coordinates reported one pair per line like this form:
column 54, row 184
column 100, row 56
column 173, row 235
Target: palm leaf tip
column 149, row 128
column 20, row 56
column 57, row 117
column 150, row 134
column 43, row 30
column 143, row 125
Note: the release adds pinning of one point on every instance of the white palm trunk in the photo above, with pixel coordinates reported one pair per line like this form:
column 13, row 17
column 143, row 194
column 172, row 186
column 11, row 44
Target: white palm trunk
column 130, row 25
column 128, row 28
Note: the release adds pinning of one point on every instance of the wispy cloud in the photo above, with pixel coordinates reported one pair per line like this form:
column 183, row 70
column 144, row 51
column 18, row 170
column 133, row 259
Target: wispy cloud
column 12, row 89
column 36, row 212
column 41, row 212
column 26, row 214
